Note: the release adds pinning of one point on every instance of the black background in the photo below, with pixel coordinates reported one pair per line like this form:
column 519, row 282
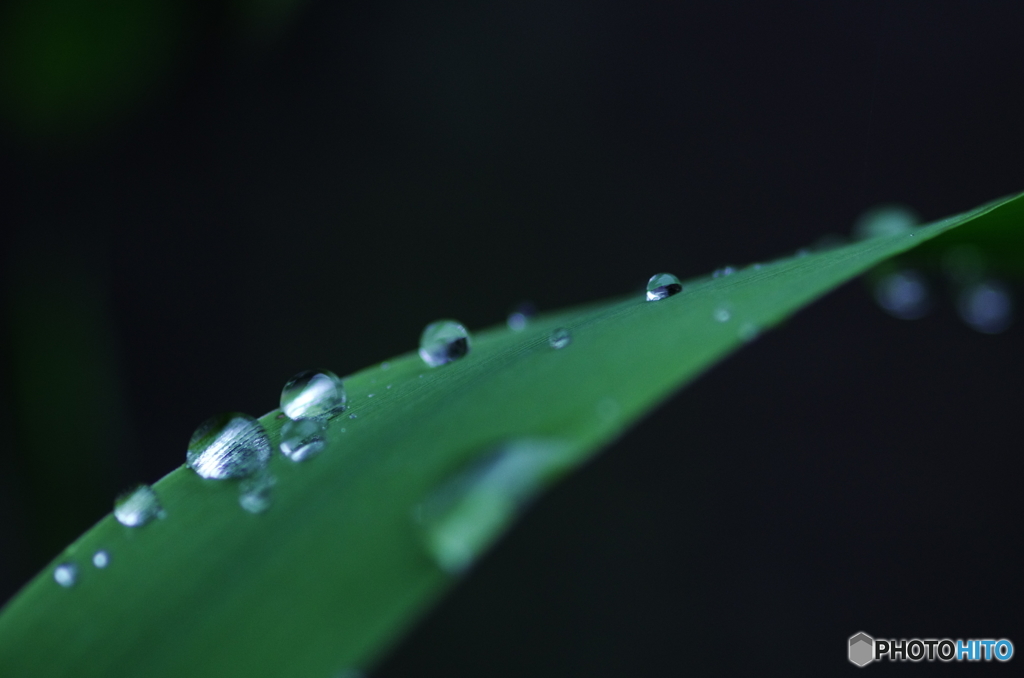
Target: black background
column 316, row 198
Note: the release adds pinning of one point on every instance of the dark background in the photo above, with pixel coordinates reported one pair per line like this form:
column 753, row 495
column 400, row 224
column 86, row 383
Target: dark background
column 200, row 199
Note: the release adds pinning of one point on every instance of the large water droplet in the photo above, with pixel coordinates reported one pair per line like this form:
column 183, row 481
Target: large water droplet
column 520, row 317
column 987, row 307
column 101, row 559
column 255, row 492
column 467, row 513
column 303, row 439
column 904, row 294
column 137, row 507
column 66, row 574
column 442, row 342
column 232, row 445
column 662, row 285
column 313, row 394
column 560, row 338
column 885, row 220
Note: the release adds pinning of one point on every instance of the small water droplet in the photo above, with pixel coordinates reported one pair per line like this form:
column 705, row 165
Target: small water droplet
column 803, row 252
column 757, row 267
column 385, row 366
column 468, row 512
column 351, row 416
column 722, row 272
column 662, row 285
column 66, row 574
column 885, row 220
column 255, row 492
column 371, row 395
column 101, row 559
column 560, row 338
column 443, row 342
column 313, row 394
column 389, row 386
column 343, row 430
column 748, row 332
column 137, row 507
column 303, row 439
column 722, row 314
column 520, row 316
column 986, row 307
column 903, row 294
column 232, row 445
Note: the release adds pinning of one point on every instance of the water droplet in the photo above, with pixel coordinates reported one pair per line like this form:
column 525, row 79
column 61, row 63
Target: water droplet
column 722, row 314
column 303, row 439
column 137, row 507
column 520, row 316
column 904, row 294
column 232, row 445
column 987, row 307
column 662, row 285
column 757, row 267
column 66, row 574
column 351, row 416
column 803, row 252
column 442, row 342
column 748, row 332
column 467, row 513
column 313, row 394
column 254, row 493
column 389, row 386
column 560, row 338
column 885, row 220
column 101, row 559
column 371, row 395
column 722, row 272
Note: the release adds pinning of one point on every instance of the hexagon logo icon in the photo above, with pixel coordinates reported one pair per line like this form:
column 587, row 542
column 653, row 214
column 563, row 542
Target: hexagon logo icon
column 862, row 649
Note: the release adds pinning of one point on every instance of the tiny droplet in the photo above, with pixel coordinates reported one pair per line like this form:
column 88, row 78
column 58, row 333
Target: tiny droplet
column 137, row 507
column 560, row 338
column 255, row 492
column 232, row 445
column 313, row 394
column 662, row 286
column 303, row 439
column 442, row 342
column 101, row 559
column 66, row 574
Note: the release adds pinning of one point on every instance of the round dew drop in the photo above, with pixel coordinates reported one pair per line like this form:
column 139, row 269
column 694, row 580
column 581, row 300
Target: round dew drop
column 137, row 507
column 520, row 317
column 442, row 342
column 66, row 574
column 254, row 493
column 722, row 314
column 313, row 394
column 101, row 559
column 662, row 285
column 232, row 445
column 303, row 439
column 560, row 338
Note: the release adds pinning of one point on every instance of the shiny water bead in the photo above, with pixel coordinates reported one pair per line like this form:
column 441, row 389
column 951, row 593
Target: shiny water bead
column 303, row 439
column 986, row 307
column 662, row 285
column 255, row 492
column 722, row 314
column 885, row 220
column 232, row 445
column 520, row 317
column 465, row 514
column 313, row 394
column 443, row 342
column 723, row 272
column 66, row 574
column 137, row 507
column 903, row 294
column 100, row 559
column 560, row 338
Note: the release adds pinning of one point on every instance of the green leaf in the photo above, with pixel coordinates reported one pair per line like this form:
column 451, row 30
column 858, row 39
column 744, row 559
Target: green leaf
column 420, row 474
